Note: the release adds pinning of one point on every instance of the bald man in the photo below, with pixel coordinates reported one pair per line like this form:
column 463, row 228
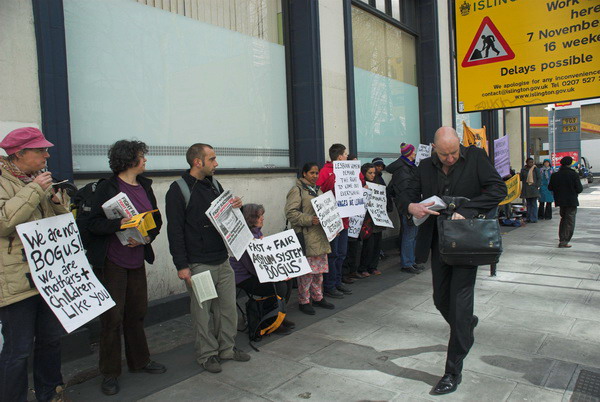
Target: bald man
column 453, row 170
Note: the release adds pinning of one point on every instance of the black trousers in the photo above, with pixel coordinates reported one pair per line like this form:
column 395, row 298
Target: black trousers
column 350, row 263
column 545, row 210
column 369, row 256
column 453, row 294
column 567, row 224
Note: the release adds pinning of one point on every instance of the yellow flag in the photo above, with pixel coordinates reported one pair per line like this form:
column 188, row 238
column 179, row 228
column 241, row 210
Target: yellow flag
column 513, row 185
column 475, row 136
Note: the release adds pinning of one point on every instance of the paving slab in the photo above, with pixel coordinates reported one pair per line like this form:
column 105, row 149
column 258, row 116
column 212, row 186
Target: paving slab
column 490, row 333
column 321, row 385
column 297, row 345
column 200, row 387
column 587, row 311
column 481, row 309
column 540, row 321
column 560, row 376
column 261, row 374
column 530, row 393
column 571, row 350
column 527, row 302
column 343, row 327
column 586, row 330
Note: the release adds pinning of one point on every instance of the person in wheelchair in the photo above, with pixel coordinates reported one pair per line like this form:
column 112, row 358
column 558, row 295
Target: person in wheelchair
column 245, row 273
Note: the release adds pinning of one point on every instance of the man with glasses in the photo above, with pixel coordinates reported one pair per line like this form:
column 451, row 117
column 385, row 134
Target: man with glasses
column 196, row 247
column 28, row 324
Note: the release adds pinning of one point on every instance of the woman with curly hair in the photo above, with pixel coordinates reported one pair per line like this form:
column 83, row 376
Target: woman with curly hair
column 121, row 268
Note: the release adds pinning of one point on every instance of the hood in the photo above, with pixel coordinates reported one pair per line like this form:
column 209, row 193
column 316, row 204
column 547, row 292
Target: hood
column 397, row 164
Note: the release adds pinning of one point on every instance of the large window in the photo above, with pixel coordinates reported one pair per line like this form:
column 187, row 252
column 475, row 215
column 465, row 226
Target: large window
column 176, row 73
column 385, row 81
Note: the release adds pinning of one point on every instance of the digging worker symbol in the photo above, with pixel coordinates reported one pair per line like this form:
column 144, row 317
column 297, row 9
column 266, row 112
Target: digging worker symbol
column 488, row 43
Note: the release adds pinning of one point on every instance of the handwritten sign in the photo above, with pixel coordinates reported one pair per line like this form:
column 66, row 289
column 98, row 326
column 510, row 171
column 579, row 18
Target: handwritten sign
column 424, row 151
column 348, row 189
column 355, row 222
column 502, row 156
column 377, row 205
column 328, row 214
column 278, row 257
column 513, row 188
column 61, row 271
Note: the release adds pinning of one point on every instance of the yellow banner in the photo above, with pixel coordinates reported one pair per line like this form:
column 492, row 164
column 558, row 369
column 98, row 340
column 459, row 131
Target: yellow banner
column 475, row 136
column 526, row 52
column 513, row 185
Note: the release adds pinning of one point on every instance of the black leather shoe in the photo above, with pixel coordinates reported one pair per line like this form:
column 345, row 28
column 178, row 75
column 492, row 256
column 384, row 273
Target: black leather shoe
column 344, row 289
column 288, row 324
column 110, row 386
column 324, row 304
column 307, row 309
column 447, row 384
column 152, row 367
column 334, row 293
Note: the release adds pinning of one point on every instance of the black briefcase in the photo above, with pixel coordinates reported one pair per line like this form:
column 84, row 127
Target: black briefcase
column 475, row 241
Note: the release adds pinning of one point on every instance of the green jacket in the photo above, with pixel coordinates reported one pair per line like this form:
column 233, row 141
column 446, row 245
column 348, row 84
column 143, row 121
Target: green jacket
column 299, row 212
column 19, row 203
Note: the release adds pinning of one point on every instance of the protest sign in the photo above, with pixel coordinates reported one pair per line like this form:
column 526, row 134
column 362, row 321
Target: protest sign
column 502, row 156
column 278, row 257
column 348, row 189
column 230, row 224
column 424, row 151
column 328, row 214
column 355, row 222
column 61, row 271
column 513, row 187
column 377, row 205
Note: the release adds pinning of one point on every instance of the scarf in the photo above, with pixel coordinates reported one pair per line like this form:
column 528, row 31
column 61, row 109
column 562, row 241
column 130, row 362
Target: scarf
column 408, row 160
column 530, row 180
column 546, row 172
column 15, row 171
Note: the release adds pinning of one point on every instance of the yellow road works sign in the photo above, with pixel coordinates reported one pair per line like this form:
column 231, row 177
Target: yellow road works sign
column 513, row 53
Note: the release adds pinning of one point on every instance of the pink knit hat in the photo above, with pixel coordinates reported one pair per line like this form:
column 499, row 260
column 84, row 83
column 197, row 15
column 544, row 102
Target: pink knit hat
column 24, row 137
column 406, row 149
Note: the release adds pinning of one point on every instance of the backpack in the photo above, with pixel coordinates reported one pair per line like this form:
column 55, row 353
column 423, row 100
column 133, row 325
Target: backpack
column 81, row 207
column 185, row 189
column 264, row 315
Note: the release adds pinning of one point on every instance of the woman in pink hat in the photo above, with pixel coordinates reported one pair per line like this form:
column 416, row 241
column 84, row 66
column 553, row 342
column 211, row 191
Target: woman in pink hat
column 28, row 324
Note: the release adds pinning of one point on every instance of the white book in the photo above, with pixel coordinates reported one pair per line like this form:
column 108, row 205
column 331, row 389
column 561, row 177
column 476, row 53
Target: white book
column 204, row 287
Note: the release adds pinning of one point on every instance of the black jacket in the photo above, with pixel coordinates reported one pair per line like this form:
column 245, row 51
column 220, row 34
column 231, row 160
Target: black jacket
column 565, row 184
column 101, row 228
column 192, row 236
column 402, row 172
column 473, row 176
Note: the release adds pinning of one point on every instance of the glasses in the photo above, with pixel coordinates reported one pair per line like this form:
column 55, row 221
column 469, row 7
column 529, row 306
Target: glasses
column 37, row 150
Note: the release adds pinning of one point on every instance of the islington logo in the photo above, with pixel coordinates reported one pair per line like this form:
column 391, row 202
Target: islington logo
column 465, row 9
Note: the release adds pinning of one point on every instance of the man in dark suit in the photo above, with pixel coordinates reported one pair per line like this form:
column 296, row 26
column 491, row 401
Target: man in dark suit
column 453, row 170
column 565, row 184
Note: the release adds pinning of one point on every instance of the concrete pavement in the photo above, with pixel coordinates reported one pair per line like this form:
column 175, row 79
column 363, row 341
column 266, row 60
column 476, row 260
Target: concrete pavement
column 539, row 327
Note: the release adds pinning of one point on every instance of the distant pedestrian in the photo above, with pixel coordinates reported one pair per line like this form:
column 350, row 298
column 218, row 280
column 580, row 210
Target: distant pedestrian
column 532, row 180
column 403, row 170
column 370, row 234
column 565, row 184
column 546, row 196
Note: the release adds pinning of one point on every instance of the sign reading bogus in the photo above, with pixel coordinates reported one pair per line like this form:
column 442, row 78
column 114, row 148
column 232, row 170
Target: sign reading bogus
column 522, row 53
column 278, row 257
column 61, row 271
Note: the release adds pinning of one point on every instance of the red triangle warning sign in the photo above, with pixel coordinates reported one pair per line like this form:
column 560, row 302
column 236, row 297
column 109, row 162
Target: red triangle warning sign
column 488, row 46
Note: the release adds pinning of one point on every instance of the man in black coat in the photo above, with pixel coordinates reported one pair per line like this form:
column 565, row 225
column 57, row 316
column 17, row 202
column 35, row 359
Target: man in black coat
column 565, row 184
column 453, row 170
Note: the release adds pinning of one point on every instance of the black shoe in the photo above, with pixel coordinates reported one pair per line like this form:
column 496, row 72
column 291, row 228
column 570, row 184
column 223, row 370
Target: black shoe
column 307, row 309
column 282, row 330
column 288, row 324
column 324, row 304
column 152, row 367
column 474, row 323
column 344, row 289
column 447, row 384
column 410, row 270
column 334, row 293
column 420, row 267
column 110, row 386
column 346, row 279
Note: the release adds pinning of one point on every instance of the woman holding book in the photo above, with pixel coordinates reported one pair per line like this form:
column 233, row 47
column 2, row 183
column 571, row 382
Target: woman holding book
column 120, row 267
